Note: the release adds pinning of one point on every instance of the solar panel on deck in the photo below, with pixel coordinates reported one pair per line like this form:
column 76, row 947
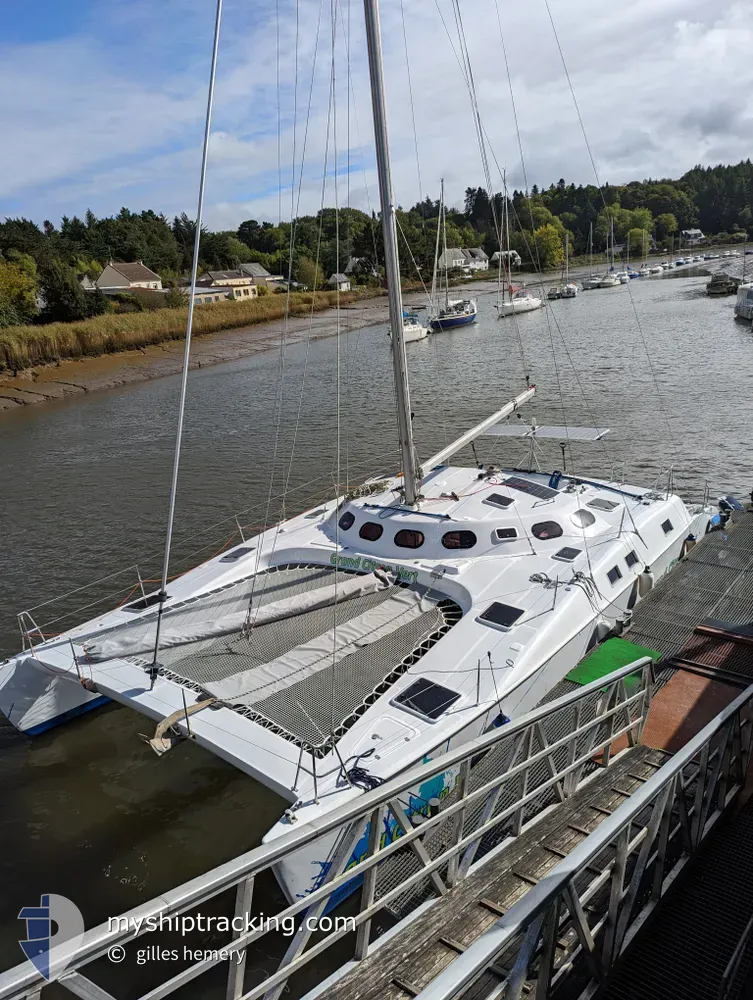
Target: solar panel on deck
column 568, row 433
column 426, row 698
column 531, row 488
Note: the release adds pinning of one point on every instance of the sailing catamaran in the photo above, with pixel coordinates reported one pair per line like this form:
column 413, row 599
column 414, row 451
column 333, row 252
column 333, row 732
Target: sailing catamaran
column 383, row 627
column 454, row 312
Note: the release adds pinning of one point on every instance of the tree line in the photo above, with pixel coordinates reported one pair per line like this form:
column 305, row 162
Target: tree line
column 41, row 267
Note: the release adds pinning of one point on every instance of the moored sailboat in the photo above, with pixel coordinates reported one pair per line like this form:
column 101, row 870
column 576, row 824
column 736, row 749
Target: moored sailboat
column 453, row 312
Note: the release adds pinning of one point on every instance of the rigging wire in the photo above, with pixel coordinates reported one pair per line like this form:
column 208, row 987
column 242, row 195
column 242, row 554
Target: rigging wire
column 654, row 377
column 189, row 330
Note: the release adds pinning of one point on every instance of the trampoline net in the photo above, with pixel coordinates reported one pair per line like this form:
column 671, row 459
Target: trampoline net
column 307, row 676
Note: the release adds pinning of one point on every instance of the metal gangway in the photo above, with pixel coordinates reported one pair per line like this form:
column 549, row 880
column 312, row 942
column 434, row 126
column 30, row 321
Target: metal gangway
column 503, row 781
column 630, row 817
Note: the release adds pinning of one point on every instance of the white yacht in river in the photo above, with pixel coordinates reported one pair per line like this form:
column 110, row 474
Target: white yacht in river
column 381, row 628
column 519, row 301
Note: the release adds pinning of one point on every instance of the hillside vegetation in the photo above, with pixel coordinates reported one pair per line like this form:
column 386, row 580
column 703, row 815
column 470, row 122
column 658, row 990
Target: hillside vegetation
column 44, row 264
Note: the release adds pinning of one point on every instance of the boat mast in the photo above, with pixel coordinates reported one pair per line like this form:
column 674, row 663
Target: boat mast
column 507, row 242
column 567, row 258
column 391, row 261
column 434, row 295
column 590, row 250
column 444, row 248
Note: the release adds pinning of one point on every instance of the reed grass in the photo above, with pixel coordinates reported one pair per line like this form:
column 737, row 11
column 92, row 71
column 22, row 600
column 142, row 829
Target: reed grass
column 25, row 346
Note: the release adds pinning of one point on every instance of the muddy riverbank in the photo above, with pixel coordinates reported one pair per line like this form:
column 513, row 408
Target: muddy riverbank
column 81, row 375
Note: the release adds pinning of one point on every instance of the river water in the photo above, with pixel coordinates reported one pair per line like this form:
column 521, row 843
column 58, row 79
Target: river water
column 88, row 811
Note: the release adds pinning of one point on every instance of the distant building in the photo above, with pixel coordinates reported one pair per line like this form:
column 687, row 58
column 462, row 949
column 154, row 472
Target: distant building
column 451, row 258
column 472, row 259
column 124, row 277
column 238, row 280
column 221, row 293
column 476, row 259
column 690, row 237
column 259, row 274
column 339, row 281
column 360, row 265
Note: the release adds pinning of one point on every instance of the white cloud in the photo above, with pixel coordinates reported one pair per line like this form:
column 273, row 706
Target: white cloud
column 660, row 88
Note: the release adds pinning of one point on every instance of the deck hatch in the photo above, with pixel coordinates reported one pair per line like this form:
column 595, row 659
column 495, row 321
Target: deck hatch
column 567, row 554
column 236, row 554
column 427, row 699
column 531, row 488
column 501, row 616
column 497, row 500
column 601, row 503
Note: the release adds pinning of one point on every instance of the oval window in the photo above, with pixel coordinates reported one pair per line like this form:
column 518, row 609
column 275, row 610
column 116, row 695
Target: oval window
column 583, row 518
column 346, row 521
column 408, row 539
column 458, row 540
column 546, row 529
column 371, row 531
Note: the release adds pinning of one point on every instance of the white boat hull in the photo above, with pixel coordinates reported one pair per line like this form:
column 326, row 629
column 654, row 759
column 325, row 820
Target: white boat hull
column 413, row 333
column 34, row 700
column 519, row 306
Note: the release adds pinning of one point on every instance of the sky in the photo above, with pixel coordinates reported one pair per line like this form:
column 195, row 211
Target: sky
column 105, row 100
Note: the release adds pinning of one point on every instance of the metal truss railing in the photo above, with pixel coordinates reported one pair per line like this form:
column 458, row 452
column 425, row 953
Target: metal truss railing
column 580, row 919
column 493, row 785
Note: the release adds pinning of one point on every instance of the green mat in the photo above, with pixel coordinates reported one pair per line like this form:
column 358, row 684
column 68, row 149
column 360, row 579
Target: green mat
column 611, row 655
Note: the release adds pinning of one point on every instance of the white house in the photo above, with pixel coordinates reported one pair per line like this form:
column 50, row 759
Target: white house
column 339, row 281
column 124, row 277
column 476, row 259
column 452, row 257
column 691, row 236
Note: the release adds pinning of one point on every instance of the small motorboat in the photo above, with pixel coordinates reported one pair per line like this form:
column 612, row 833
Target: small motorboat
column 413, row 329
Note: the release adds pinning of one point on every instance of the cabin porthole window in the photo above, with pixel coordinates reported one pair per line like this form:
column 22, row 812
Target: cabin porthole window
column 666, row 526
column 371, row 531
column 544, row 530
column 631, row 559
column 347, row 520
column 406, row 538
column 458, row 539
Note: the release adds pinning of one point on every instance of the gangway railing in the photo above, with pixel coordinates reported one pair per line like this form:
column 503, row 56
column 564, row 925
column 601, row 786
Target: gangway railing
column 577, row 923
column 494, row 785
